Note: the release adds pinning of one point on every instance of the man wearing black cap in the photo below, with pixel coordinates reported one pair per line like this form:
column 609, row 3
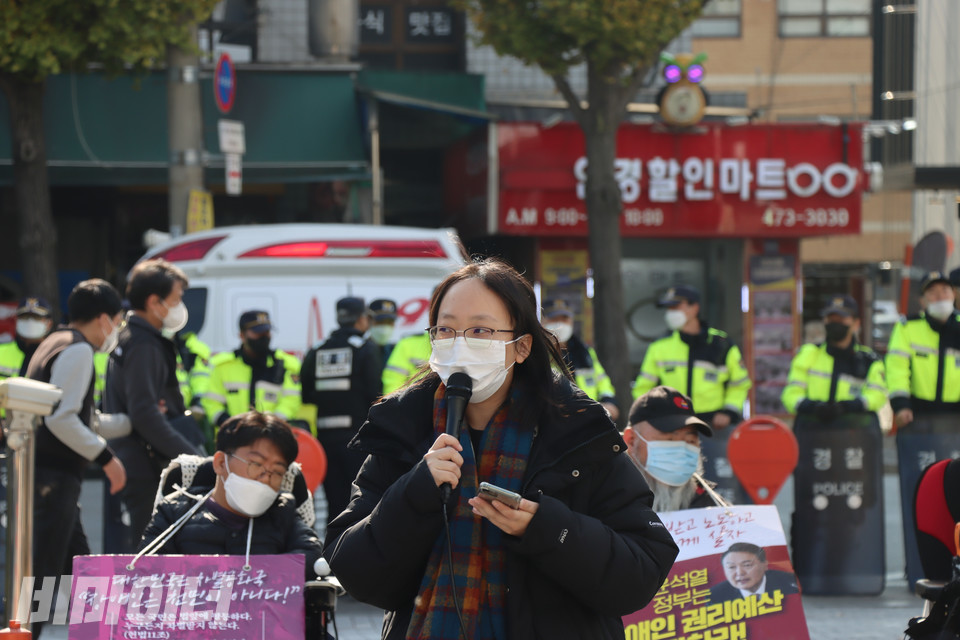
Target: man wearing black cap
column 34, row 323
column 383, row 318
column 955, row 283
column 254, row 377
column 923, row 368
column 342, row 378
column 697, row 360
column 663, row 440
column 839, row 376
column 579, row 358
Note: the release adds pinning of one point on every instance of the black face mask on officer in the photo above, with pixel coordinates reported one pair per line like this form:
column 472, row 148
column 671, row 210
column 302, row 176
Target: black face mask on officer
column 259, row 346
column 837, row 331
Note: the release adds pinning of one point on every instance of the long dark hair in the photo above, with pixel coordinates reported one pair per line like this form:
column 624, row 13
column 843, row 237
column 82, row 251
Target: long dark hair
column 537, row 372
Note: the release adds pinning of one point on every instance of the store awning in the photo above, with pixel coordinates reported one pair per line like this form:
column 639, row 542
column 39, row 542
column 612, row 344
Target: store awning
column 410, row 103
column 299, row 126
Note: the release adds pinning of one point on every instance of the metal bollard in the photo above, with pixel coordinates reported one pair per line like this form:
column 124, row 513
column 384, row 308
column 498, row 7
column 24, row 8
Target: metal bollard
column 25, row 400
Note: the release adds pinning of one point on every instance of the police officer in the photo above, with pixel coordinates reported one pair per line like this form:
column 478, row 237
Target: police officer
column 923, row 374
column 254, row 377
column 955, row 283
column 697, row 360
column 342, row 378
column 383, row 319
column 34, row 323
column 838, row 376
column 406, row 361
column 579, row 358
column 193, row 374
column 193, row 368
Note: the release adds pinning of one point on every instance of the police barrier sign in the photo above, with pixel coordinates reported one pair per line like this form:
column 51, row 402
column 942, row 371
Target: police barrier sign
column 179, row 596
column 919, row 444
column 701, row 599
column 838, row 523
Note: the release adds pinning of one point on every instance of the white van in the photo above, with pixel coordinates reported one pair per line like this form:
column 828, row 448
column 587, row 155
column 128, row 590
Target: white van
column 297, row 272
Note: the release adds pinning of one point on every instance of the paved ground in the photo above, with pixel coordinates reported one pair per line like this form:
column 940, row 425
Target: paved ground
column 828, row 618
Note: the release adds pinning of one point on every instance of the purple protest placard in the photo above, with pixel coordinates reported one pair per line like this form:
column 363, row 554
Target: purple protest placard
column 172, row 597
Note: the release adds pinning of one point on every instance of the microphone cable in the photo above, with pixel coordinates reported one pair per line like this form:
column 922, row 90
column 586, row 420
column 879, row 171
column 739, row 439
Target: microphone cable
column 459, row 387
column 453, row 580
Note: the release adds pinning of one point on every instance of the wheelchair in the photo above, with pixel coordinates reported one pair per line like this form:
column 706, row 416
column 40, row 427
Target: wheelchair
column 936, row 512
column 320, row 596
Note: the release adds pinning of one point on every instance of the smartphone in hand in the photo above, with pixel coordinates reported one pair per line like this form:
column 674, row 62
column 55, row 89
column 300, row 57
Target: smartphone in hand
column 493, row 492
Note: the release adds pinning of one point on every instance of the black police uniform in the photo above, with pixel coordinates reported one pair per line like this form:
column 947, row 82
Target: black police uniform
column 342, row 378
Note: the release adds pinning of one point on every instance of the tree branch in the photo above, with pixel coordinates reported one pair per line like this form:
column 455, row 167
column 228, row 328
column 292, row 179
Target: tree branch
column 633, row 85
column 572, row 100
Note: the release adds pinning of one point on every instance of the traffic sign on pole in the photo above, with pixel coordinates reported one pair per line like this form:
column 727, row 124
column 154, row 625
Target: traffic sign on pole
column 225, row 83
column 234, row 173
column 231, row 134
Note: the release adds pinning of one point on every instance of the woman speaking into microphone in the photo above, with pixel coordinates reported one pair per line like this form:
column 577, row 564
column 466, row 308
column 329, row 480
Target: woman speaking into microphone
column 582, row 548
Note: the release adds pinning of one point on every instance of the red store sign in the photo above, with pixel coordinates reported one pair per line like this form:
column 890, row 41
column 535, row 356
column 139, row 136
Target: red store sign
column 763, row 180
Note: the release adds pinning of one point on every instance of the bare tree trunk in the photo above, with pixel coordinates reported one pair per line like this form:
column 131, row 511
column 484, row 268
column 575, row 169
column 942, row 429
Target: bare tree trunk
column 603, row 209
column 185, row 132
column 38, row 236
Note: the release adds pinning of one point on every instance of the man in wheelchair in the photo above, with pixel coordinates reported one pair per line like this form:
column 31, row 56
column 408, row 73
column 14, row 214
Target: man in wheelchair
column 238, row 503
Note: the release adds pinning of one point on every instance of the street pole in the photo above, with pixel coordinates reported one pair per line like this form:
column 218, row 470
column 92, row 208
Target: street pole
column 23, row 427
column 25, row 401
column 373, row 123
column 184, row 131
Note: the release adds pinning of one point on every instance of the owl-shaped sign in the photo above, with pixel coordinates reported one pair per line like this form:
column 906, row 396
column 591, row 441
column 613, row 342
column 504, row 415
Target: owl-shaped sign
column 682, row 102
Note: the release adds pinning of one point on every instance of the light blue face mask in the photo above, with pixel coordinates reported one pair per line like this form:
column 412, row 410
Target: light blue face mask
column 671, row 462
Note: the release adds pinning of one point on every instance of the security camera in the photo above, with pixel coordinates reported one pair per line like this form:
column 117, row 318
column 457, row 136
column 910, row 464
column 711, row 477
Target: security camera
column 30, row 396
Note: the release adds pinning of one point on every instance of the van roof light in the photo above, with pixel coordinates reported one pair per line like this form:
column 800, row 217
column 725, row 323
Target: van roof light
column 190, row 250
column 349, row 249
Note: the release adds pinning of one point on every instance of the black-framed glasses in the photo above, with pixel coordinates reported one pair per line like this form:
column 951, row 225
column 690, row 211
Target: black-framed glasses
column 477, row 337
column 255, row 471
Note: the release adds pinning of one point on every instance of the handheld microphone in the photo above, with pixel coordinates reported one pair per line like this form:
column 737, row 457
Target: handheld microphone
column 459, row 390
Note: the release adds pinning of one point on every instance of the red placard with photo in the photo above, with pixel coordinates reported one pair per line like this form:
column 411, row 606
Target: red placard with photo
column 732, row 580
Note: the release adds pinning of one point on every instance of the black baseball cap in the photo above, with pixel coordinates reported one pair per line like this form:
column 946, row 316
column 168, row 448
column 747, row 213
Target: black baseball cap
column 955, row 277
column 34, row 306
column 255, row 320
column 350, row 309
column 677, row 294
column 667, row 410
column 841, row 305
column 932, row 278
column 556, row 308
column 383, row 309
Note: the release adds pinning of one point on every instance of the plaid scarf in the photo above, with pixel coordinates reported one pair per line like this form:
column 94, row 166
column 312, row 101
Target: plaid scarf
column 479, row 558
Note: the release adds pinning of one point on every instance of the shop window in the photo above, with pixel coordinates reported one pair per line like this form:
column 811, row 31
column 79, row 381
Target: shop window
column 720, row 19
column 824, row 18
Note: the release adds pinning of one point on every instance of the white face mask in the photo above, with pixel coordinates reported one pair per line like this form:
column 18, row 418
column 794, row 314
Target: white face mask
column 110, row 341
column 31, row 329
column 562, row 330
column 382, row 334
column 176, row 317
column 675, row 319
column 252, row 498
column 940, row 310
column 484, row 366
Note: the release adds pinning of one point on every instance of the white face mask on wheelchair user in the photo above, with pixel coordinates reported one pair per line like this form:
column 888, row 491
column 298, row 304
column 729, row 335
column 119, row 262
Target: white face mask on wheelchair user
column 252, row 498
